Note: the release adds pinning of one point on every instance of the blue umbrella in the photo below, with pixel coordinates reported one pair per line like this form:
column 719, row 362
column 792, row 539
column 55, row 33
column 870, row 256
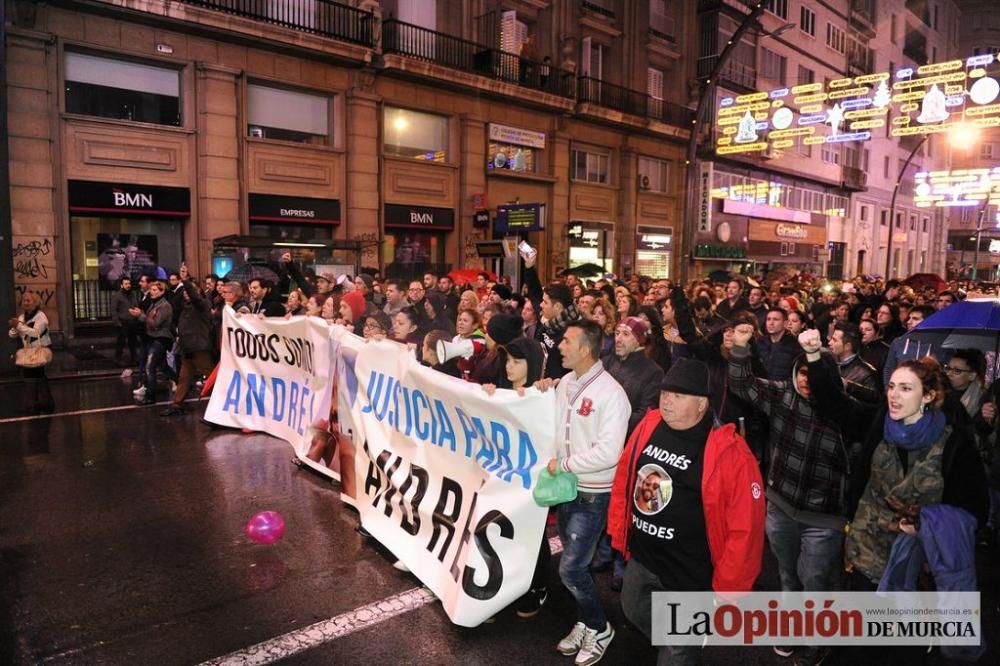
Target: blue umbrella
column 971, row 324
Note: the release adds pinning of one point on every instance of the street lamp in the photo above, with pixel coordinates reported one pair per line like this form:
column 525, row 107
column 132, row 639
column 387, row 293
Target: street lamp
column 708, row 91
column 962, row 136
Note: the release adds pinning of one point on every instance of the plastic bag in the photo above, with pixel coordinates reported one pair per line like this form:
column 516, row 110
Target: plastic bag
column 551, row 490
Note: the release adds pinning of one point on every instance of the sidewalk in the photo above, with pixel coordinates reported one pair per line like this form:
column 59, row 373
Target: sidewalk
column 77, row 361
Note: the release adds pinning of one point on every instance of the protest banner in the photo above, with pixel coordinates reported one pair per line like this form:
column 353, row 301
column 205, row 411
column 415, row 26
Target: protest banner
column 445, row 474
column 274, row 377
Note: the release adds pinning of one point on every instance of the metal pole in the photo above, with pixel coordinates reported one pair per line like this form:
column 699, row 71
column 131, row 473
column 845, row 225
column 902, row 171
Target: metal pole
column 892, row 205
column 979, row 233
column 7, row 300
column 707, row 91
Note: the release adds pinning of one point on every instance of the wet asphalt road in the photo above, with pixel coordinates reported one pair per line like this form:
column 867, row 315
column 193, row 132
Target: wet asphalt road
column 121, row 542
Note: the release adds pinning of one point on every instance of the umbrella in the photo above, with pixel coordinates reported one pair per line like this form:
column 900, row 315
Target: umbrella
column 969, row 324
column 923, row 280
column 583, row 270
column 720, row 275
column 248, row 272
column 469, row 275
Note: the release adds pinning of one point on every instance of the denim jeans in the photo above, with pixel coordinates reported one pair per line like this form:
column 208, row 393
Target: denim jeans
column 808, row 557
column 637, row 604
column 156, row 357
column 581, row 524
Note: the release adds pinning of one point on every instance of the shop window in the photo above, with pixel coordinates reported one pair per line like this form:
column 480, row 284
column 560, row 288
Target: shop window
column 287, row 115
column 409, row 255
column 653, row 174
column 121, row 89
column 514, row 158
column 416, row 135
column 591, row 167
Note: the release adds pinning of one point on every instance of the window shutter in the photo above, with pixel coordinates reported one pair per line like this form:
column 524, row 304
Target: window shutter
column 585, row 55
column 654, row 83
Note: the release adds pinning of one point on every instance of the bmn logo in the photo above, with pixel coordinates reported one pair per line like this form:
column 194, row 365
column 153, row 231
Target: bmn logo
column 133, row 200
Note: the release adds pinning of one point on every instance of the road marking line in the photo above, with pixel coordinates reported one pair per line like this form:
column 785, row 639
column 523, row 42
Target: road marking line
column 345, row 624
column 96, row 410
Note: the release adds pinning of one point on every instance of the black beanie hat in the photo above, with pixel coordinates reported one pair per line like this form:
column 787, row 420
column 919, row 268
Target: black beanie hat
column 687, row 376
column 505, row 327
column 503, row 291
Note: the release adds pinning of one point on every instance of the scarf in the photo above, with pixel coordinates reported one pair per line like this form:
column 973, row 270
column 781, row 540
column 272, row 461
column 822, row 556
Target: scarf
column 972, row 396
column 916, row 436
column 558, row 324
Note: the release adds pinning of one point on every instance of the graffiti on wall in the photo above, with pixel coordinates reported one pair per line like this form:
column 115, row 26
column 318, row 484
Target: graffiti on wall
column 34, row 259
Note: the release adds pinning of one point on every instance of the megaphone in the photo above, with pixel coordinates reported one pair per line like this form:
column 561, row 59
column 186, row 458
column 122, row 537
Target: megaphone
column 463, row 349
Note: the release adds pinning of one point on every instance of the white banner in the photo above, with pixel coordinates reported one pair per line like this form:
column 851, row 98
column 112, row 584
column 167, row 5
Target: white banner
column 444, row 473
column 274, row 377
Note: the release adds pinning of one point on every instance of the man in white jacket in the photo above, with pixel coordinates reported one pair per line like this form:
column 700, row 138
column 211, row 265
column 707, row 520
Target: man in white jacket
column 592, row 417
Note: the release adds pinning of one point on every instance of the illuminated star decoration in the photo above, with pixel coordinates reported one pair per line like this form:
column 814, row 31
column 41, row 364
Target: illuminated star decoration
column 834, row 118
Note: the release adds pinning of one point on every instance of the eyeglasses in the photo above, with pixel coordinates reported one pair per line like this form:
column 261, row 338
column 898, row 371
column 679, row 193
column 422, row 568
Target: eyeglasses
column 372, row 326
column 955, row 371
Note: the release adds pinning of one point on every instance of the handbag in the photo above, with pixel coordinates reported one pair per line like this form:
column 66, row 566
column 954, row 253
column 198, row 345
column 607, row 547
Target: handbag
column 551, row 490
column 32, row 357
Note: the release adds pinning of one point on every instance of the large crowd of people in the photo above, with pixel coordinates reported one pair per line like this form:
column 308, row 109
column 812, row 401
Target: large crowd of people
column 801, row 391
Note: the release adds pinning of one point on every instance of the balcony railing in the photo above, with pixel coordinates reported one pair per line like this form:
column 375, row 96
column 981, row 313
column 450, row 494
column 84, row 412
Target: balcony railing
column 598, row 8
column 635, row 102
column 441, row 49
column 321, row 17
column 733, row 71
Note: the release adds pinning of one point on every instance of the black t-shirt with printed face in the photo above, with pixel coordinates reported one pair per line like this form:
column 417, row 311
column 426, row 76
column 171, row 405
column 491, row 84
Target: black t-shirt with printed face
column 668, row 534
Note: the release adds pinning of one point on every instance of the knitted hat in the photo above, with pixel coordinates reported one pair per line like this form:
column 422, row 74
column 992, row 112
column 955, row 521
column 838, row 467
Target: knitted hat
column 687, row 376
column 505, row 327
column 638, row 327
column 502, row 290
column 356, row 302
column 367, row 279
column 329, row 277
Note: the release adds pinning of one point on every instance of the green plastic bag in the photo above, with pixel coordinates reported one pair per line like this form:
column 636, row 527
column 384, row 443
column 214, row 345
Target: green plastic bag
column 551, row 490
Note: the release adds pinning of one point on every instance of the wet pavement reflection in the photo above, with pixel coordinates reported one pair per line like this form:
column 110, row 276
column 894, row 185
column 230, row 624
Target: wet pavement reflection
column 121, row 542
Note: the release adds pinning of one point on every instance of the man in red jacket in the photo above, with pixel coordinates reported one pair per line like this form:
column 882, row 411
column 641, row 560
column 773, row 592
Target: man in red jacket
column 687, row 505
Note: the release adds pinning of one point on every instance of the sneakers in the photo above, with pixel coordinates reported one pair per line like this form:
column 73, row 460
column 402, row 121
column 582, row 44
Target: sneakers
column 172, row 410
column 811, row 656
column 173, row 387
column 140, row 392
column 783, row 650
column 595, row 644
column 573, row 641
column 532, row 602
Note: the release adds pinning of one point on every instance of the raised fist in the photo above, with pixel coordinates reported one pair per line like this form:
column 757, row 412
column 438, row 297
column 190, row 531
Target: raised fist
column 809, row 341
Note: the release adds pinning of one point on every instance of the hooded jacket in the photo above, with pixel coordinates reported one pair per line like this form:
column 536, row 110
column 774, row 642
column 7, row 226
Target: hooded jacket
column 640, row 378
column 732, row 502
column 808, row 474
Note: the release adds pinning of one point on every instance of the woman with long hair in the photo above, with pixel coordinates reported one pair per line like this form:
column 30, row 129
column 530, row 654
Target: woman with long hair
column 607, row 318
column 889, row 326
column 296, row 303
column 32, row 327
column 911, row 457
column 406, row 327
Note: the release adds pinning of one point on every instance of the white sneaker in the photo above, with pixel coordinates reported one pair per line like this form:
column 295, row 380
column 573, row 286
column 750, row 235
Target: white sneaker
column 140, row 392
column 595, row 644
column 173, row 387
column 573, row 641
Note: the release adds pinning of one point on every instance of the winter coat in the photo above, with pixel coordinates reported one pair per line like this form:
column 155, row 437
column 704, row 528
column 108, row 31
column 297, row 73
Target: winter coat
column 778, row 357
column 194, row 326
column 270, row 306
column 860, row 380
column 640, row 378
column 874, row 353
column 808, row 473
column 964, row 477
column 732, row 501
column 121, row 301
column 159, row 320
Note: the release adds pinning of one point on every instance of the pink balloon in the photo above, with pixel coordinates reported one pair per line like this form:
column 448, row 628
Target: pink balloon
column 266, row 527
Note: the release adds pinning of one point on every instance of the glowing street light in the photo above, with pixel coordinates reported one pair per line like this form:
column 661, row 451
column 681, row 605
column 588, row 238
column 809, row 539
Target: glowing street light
column 963, row 136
